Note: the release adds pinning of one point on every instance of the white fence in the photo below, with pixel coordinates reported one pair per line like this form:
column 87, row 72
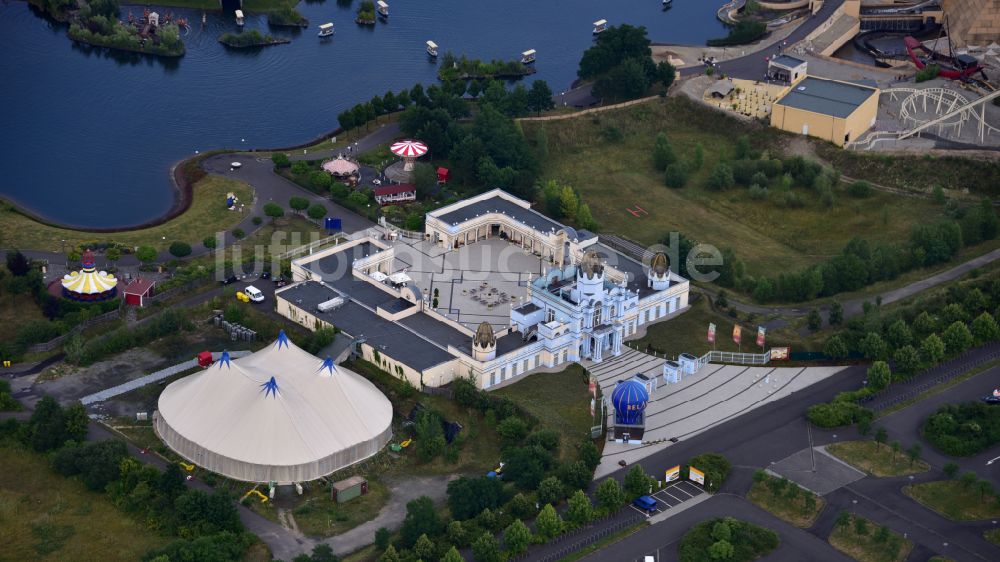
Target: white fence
column 733, row 357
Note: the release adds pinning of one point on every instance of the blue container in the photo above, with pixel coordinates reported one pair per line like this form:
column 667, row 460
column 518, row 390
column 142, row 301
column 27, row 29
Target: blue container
column 331, row 223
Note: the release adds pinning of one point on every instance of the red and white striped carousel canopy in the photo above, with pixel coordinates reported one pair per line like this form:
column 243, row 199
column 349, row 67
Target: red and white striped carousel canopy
column 408, row 148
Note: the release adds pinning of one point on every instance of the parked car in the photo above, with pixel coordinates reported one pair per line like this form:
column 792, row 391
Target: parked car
column 993, row 398
column 254, row 293
column 265, row 274
column 228, row 280
column 645, row 503
column 280, row 281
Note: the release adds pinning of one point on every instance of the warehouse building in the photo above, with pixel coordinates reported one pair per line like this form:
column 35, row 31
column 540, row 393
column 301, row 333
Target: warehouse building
column 832, row 110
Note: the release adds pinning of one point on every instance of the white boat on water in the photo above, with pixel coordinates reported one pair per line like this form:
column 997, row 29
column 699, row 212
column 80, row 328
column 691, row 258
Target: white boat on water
column 382, row 8
column 600, row 26
column 239, row 18
column 528, row 56
column 432, row 49
column 668, row 2
column 326, row 30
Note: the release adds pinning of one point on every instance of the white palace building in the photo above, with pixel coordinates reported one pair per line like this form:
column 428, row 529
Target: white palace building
column 494, row 290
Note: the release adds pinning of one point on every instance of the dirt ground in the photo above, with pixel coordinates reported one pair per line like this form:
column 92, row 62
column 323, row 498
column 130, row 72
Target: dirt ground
column 67, row 383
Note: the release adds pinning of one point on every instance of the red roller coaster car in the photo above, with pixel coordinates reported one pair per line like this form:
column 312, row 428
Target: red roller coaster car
column 953, row 67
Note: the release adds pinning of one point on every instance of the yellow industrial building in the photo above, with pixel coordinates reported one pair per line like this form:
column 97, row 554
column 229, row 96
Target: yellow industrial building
column 832, row 110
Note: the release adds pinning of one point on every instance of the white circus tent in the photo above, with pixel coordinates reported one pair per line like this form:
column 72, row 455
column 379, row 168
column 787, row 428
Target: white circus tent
column 279, row 415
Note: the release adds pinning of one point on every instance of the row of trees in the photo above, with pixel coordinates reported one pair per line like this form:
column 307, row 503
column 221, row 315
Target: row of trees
column 563, row 202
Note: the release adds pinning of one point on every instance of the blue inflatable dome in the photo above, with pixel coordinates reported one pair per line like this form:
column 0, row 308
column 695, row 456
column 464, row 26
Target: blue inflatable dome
column 629, row 399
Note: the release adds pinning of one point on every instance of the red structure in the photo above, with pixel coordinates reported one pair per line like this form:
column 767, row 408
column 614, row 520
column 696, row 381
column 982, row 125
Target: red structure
column 443, row 175
column 955, row 68
column 395, row 194
column 138, row 291
column 204, row 359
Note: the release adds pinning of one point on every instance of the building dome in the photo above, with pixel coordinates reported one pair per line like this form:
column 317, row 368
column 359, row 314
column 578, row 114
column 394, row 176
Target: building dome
column 629, row 399
column 659, row 265
column 340, row 167
column 484, row 339
column 590, row 265
column 280, row 414
column 88, row 284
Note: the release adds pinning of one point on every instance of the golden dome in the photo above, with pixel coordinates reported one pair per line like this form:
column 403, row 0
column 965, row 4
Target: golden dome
column 590, row 265
column 484, row 336
column 659, row 265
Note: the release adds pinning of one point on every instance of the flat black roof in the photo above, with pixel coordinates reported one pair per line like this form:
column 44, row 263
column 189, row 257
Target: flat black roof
column 390, row 338
column 528, row 308
column 787, row 61
column 826, row 97
column 497, row 204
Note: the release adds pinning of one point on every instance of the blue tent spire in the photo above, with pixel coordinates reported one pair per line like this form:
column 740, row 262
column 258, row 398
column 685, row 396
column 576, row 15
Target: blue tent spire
column 282, row 339
column 224, row 359
column 270, row 387
column 328, row 365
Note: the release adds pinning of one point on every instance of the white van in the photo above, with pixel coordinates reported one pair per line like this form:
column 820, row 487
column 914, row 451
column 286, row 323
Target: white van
column 254, row 293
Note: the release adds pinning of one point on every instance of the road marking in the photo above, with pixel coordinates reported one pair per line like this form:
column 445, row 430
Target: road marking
column 991, row 461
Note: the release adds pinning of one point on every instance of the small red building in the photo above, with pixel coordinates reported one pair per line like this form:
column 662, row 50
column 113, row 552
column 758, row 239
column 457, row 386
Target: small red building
column 443, row 175
column 138, row 291
column 395, row 194
column 205, row 359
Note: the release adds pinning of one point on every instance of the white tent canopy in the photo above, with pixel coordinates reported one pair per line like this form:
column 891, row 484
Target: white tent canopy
column 379, row 276
column 280, row 414
column 399, row 278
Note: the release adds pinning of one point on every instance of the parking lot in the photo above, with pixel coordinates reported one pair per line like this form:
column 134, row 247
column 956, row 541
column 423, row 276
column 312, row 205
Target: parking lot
column 672, row 497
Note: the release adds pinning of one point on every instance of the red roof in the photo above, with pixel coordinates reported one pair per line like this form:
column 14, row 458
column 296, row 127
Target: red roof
column 442, row 171
column 395, row 189
column 139, row 286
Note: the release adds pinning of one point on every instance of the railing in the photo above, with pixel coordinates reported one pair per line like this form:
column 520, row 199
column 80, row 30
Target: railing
column 577, row 545
column 57, row 341
column 313, row 246
column 735, row 357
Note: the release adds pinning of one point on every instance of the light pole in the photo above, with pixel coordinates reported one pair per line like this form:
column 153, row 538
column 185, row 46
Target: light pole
column 64, row 252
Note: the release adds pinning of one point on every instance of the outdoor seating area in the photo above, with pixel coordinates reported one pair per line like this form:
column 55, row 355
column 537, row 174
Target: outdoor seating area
column 747, row 98
column 488, row 296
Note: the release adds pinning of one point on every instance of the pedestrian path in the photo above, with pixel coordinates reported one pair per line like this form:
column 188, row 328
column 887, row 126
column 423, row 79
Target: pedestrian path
column 151, row 378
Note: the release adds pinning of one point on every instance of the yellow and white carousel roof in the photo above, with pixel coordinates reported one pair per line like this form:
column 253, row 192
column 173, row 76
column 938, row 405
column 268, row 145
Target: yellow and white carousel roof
column 89, row 281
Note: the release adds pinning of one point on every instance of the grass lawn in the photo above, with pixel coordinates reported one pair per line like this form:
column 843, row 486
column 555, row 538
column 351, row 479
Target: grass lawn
column 46, row 516
column 866, row 548
column 612, row 176
column 559, row 401
column 876, row 460
column 993, row 535
column 954, row 500
column 792, row 511
column 318, row 515
column 688, row 333
column 206, row 216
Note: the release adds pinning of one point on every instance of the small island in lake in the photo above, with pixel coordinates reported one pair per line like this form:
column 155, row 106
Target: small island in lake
column 366, row 13
column 462, row 68
column 96, row 23
column 287, row 16
column 251, row 38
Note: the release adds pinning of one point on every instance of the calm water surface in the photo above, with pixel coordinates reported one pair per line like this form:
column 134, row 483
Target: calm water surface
column 87, row 138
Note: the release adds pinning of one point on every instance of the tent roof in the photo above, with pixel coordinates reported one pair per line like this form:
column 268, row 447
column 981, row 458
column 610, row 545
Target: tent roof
column 311, row 411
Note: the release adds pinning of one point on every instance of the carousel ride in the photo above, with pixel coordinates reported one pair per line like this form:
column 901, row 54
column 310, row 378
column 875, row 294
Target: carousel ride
column 88, row 284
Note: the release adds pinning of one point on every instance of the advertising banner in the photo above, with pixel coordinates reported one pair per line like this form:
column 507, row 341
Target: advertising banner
column 760, row 335
column 674, row 473
column 696, row 475
column 711, row 332
column 780, row 353
column 737, row 333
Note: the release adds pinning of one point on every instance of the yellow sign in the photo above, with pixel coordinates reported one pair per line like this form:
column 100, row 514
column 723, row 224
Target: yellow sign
column 673, row 473
column 696, row 475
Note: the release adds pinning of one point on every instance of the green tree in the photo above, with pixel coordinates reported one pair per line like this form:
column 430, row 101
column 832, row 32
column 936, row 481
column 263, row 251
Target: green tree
column 452, row 556
column 675, row 176
column 907, row 360
column 882, row 534
column 610, row 496
column 985, row 488
column 584, row 218
column 180, row 249
column 896, row 447
column 663, row 152
column 957, row 338
column 424, row 548
column 382, row 538
column 835, row 347
column 968, row 479
column 298, row 204
column 814, row 321
column 113, row 254
column 924, row 324
column 881, row 435
column 950, row 470
column 637, row 482
column 580, row 510
column 914, row 452
column 540, row 97
column 879, row 375
column 550, row 490
column 698, row 158
column 17, row 264
column 274, row 211
column 146, row 254
column 722, row 177
column 548, row 524
column 516, row 537
column 721, row 531
column 389, row 102
column 874, row 347
column 316, row 211
column 985, row 328
column 898, row 334
column 390, row 555
column 280, row 159
column 836, row 313
column 843, row 520
column 421, row 519
column 76, row 422
column 568, row 201
column 486, row 549
column 860, row 526
column 629, row 80
column 932, row 349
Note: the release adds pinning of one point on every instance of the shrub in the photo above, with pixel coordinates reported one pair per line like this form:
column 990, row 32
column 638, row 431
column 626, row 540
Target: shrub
column 722, row 177
column 239, row 234
column 209, row 242
column 180, row 249
column 257, row 221
column 747, row 541
column 675, row 176
column 316, row 211
column 281, row 160
column 963, row 429
column 837, row 414
column 716, row 468
column 860, row 189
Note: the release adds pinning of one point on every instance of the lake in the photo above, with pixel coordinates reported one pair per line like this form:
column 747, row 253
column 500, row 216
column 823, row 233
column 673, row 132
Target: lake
column 89, row 136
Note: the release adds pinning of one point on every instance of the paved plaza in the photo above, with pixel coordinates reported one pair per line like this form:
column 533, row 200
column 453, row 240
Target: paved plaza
column 816, row 470
column 475, row 283
column 713, row 395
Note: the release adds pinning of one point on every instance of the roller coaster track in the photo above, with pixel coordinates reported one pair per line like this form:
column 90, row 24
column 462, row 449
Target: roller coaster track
column 956, row 106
